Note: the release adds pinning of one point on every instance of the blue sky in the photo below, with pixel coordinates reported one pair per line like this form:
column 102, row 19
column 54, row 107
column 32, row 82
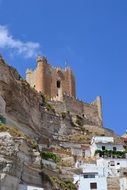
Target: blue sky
column 91, row 36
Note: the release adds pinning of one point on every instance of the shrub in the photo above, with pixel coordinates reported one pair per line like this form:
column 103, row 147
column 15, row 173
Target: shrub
column 111, row 153
column 49, row 155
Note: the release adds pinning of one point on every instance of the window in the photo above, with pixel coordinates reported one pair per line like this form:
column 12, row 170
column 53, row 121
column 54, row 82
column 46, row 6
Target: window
column 114, row 148
column 103, row 147
column 118, row 163
column 89, row 176
column 93, row 185
column 112, row 163
column 58, row 84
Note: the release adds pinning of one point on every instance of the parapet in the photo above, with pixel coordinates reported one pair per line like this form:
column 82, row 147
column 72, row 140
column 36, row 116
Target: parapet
column 41, row 59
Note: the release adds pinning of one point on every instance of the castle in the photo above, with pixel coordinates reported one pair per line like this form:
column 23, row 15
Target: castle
column 59, row 86
column 53, row 82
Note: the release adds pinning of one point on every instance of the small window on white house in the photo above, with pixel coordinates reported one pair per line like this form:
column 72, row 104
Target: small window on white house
column 89, row 176
column 103, row 147
column 93, row 185
column 112, row 163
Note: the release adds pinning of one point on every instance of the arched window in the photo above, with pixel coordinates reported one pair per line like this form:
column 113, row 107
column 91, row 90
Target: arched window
column 58, row 84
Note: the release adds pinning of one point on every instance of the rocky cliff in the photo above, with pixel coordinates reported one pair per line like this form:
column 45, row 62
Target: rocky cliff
column 28, row 111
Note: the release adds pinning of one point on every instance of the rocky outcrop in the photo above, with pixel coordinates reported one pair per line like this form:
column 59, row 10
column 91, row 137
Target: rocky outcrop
column 17, row 162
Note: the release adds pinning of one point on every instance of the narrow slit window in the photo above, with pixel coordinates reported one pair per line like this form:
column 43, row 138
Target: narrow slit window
column 58, row 84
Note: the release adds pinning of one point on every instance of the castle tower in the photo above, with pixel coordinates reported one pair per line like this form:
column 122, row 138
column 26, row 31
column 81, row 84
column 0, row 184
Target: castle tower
column 99, row 107
column 40, row 74
column 70, row 82
column 29, row 76
column 53, row 82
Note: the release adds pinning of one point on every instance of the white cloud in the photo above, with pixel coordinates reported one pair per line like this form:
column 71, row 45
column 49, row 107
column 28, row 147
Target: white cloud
column 26, row 49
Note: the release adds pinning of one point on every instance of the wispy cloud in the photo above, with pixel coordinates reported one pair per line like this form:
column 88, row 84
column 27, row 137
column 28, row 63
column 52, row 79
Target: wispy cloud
column 7, row 41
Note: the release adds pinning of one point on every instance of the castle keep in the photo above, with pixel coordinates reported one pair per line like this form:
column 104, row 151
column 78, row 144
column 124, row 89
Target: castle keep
column 59, row 86
column 53, row 82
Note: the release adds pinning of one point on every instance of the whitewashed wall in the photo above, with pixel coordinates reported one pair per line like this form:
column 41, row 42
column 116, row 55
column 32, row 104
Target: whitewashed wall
column 84, row 183
column 123, row 183
column 27, row 187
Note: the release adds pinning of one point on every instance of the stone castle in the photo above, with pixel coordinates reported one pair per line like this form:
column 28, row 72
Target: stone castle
column 59, row 86
column 53, row 82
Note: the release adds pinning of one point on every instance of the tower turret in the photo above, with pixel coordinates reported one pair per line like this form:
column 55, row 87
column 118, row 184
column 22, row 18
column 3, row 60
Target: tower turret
column 40, row 74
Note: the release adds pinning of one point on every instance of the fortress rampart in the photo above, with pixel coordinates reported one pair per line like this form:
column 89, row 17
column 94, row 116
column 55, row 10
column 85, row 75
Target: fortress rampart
column 91, row 111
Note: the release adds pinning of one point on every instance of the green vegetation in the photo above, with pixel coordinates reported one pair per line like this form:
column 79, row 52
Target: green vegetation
column 20, row 78
column 111, row 153
column 49, row 155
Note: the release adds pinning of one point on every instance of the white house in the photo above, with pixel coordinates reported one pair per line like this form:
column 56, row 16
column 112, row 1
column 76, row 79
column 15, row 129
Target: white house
column 93, row 183
column 104, row 143
column 91, row 177
column 28, row 187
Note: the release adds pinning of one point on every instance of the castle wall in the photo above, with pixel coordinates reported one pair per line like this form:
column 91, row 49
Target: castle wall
column 91, row 112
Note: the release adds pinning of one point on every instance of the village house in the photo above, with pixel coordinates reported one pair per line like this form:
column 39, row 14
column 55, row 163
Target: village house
column 95, row 174
column 91, row 177
column 100, row 144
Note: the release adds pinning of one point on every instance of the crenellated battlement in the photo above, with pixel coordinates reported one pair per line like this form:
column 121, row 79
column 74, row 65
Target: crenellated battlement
column 51, row 81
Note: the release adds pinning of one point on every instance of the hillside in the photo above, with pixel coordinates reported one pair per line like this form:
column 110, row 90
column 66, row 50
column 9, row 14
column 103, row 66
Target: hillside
column 32, row 122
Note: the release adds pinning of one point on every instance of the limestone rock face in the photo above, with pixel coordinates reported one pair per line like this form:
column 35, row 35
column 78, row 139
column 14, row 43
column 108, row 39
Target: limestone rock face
column 2, row 106
column 17, row 162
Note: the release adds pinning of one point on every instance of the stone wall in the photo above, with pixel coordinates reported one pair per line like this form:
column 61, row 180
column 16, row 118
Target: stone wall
column 90, row 111
column 8, row 182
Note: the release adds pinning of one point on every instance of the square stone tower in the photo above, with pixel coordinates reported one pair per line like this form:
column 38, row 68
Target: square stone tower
column 53, row 82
